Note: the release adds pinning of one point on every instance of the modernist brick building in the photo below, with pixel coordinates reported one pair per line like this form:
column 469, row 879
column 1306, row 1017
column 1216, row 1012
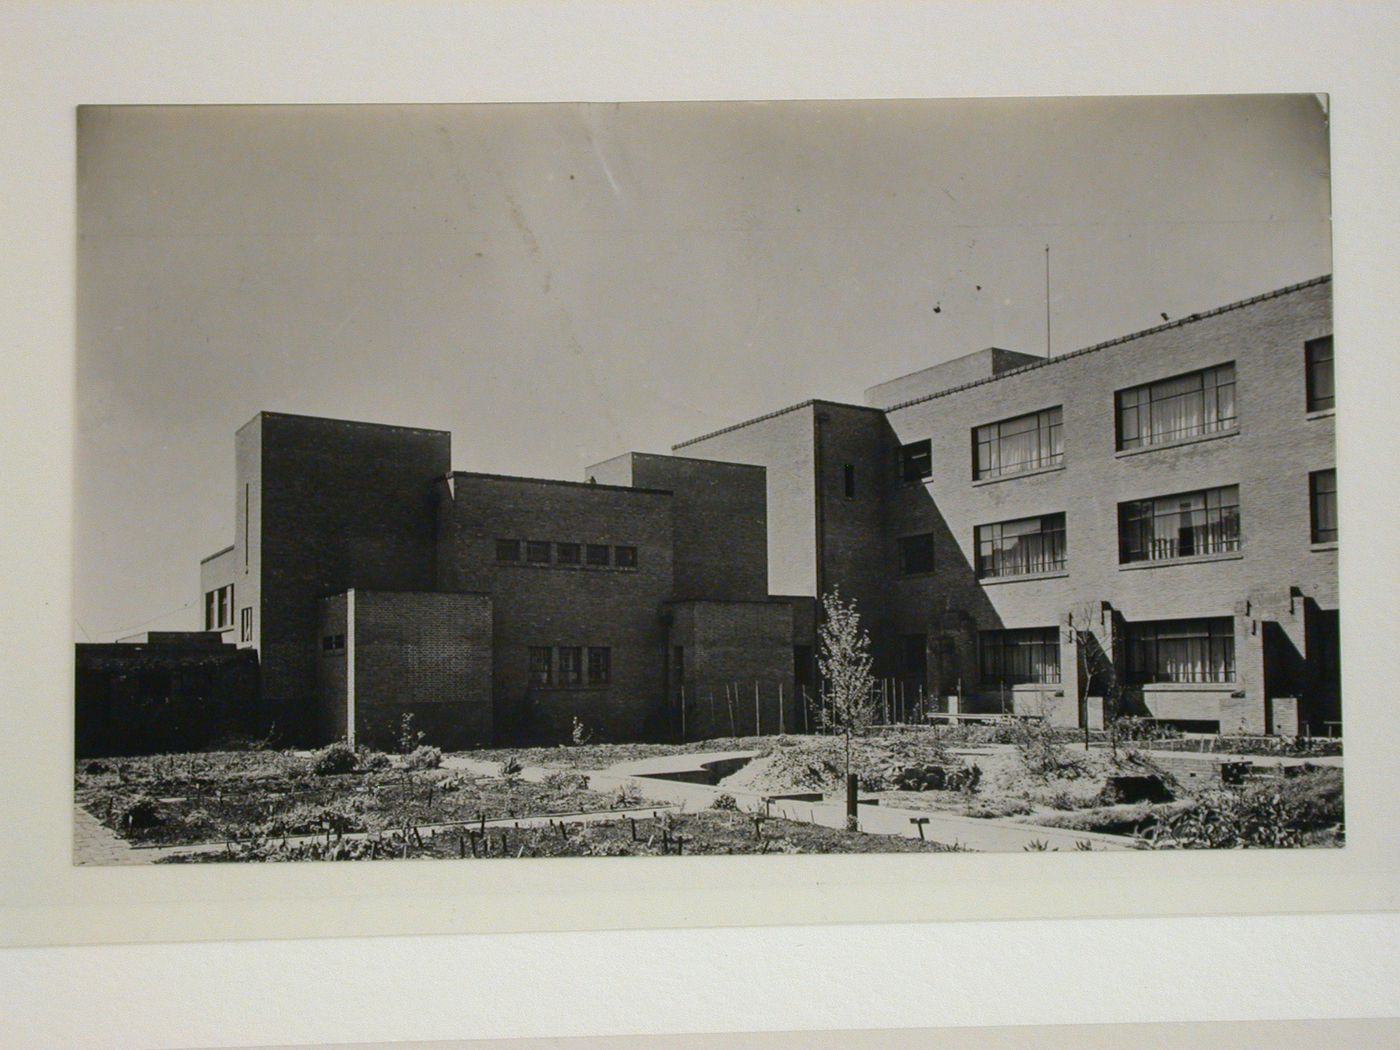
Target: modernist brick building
column 1152, row 519
column 1146, row 526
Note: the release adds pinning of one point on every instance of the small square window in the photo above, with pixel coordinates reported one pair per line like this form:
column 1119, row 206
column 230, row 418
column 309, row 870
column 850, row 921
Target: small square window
column 568, row 553
column 625, row 557
column 916, row 554
column 916, row 460
column 599, row 665
column 599, row 554
column 541, row 665
column 507, row 550
column 570, row 665
column 537, row 551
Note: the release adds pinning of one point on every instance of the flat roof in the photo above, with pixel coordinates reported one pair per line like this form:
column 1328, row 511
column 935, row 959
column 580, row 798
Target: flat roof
column 217, row 554
column 772, row 415
column 1120, row 340
column 341, row 422
column 556, row 481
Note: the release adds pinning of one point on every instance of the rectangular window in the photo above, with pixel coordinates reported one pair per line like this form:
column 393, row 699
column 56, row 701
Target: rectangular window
column 507, row 550
column 218, row 608
column 849, row 480
column 333, row 643
column 599, row 665
column 1014, row 446
column 537, row 552
column 916, row 460
column 245, row 624
column 598, row 553
column 1025, row 655
column 568, row 553
column 1181, row 526
column 916, row 554
column 541, row 665
column 1016, row 548
column 1322, row 485
column 1321, row 393
column 211, row 610
column 625, row 557
column 570, row 665
column 1187, row 406
column 1181, row 651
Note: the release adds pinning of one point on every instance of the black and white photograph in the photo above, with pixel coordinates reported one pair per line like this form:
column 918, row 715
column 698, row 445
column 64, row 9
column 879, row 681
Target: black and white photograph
column 496, row 482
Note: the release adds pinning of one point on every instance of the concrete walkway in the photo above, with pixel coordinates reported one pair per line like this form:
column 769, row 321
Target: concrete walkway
column 973, row 833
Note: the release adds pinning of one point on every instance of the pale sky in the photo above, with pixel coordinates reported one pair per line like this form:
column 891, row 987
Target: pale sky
column 557, row 284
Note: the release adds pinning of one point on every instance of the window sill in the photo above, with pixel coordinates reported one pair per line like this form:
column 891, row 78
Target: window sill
column 1322, row 413
column 567, row 568
column 569, row 688
column 1057, row 574
column 979, row 482
column 1330, row 545
column 1190, row 687
column 1178, row 443
column 1201, row 559
column 917, row 575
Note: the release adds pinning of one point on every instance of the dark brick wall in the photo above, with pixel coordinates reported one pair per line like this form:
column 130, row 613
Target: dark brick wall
column 735, row 651
column 719, row 520
column 783, row 444
column 340, row 505
column 554, row 605
column 428, row 655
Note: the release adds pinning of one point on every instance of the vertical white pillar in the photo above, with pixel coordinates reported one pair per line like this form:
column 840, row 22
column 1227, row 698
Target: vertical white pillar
column 350, row 667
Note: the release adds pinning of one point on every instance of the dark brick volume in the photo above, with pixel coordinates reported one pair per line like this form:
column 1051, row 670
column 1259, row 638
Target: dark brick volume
column 1144, row 527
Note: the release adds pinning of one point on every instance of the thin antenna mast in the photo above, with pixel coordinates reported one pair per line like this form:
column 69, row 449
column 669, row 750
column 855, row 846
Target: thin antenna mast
column 1047, row 302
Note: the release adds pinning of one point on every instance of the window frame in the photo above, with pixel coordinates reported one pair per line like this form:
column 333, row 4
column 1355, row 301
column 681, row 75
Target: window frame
column 569, row 672
column 539, row 666
column 538, row 552
column 1312, row 359
column 1001, row 641
column 245, row 624
column 1144, row 402
column 911, row 455
column 1315, row 496
column 993, row 536
column 575, row 556
column 592, row 549
column 1049, row 430
column 618, row 556
column 1142, row 634
column 1130, row 515
column 591, row 666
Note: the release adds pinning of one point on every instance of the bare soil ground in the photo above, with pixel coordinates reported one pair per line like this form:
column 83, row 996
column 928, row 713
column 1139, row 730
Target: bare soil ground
column 188, row 799
column 707, row 833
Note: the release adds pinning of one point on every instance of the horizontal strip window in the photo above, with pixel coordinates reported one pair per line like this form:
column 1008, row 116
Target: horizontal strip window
column 1186, row 525
column 1029, row 655
column 1014, row 446
column 1021, row 547
column 1322, row 393
column 1322, row 490
column 1191, row 405
column 565, row 666
column 916, row 554
column 1181, row 651
column 545, row 552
